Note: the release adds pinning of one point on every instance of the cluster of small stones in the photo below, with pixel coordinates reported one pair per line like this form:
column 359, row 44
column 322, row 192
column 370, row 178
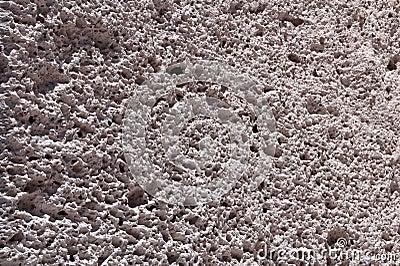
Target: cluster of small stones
column 67, row 69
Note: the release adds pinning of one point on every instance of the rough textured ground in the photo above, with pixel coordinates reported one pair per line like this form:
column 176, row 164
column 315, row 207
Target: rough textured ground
column 67, row 69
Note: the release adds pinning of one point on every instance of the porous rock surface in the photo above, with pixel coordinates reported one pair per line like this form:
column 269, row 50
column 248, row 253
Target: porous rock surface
column 67, row 69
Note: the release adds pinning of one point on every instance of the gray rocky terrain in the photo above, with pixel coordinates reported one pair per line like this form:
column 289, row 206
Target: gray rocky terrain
column 330, row 71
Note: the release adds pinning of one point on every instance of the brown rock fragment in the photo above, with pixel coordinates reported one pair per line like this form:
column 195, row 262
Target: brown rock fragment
column 172, row 256
column 294, row 58
column 136, row 197
column 292, row 19
column 237, row 254
column 392, row 62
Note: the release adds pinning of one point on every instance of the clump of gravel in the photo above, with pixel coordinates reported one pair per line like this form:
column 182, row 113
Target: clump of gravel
column 330, row 71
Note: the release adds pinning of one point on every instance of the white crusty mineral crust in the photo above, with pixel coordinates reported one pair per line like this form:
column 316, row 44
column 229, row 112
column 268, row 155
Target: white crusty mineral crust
column 68, row 69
